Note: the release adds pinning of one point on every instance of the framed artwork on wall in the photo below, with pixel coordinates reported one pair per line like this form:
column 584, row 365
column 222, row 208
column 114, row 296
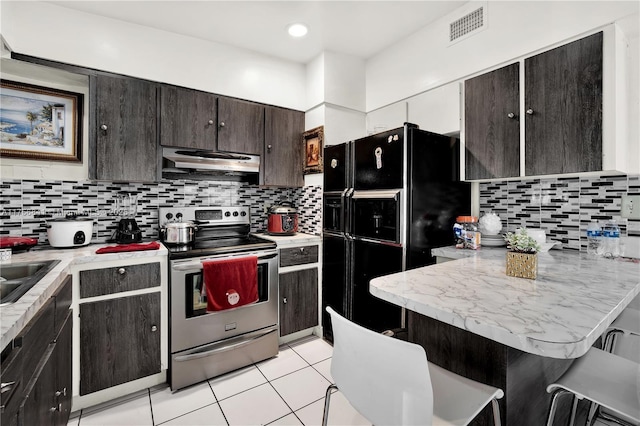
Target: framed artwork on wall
column 40, row 123
column 313, row 144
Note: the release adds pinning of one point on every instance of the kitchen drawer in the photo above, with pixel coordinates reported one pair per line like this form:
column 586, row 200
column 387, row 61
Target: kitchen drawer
column 63, row 301
column 298, row 255
column 12, row 386
column 98, row 282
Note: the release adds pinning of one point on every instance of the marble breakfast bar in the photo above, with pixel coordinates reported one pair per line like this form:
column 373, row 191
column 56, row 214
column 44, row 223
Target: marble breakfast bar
column 514, row 333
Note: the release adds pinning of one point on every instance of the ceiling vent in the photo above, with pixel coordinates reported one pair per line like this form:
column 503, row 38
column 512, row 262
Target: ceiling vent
column 467, row 26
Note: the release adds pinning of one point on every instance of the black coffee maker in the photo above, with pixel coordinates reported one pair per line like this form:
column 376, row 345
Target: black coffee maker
column 128, row 230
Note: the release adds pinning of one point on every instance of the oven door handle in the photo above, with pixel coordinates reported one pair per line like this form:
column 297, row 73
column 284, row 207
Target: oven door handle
column 231, row 346
column 198, row 265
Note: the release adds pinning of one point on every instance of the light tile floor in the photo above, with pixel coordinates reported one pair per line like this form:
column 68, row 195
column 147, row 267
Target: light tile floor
column 285, row 390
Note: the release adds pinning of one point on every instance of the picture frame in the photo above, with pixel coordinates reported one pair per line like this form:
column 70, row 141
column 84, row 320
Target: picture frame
column 313, row 149
column 40, row 123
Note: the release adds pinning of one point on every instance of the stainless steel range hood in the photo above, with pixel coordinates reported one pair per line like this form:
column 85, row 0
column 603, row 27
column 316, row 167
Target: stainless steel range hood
column 184, row 163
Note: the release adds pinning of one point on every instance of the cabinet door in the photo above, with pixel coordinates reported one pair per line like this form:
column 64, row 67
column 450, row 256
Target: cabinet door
column 491, row 124
column 283, row 147
column 298, row 300
column 188, row 118
column 126, row 129
column 240, row 126
column 119, row 341
column 62, row 359
column 563, row 104
column 39, row 400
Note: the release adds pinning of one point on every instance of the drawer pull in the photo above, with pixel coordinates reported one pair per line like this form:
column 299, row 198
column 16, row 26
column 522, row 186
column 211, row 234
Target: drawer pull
column 154, row 328
column 284, row 300
column 63, row 392
column 122, row 271
column 302, row 250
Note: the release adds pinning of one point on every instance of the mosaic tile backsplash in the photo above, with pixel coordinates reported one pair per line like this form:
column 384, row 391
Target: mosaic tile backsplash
column 26, row 205
column 563, row 207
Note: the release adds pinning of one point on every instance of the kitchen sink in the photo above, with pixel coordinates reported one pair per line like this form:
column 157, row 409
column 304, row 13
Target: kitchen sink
column 17, row 278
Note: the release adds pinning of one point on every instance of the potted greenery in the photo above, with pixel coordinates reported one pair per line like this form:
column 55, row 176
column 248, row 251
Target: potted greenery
column 522, row 258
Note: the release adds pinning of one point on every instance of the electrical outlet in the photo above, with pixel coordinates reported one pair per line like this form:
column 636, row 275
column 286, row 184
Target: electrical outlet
column 266, row 208
column 631, row 207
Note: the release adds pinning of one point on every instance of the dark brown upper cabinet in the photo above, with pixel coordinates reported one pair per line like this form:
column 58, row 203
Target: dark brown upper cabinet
column 283, row 147
column 125, row 129
column 188, row 118
column 492, row 129
column 240, row 126
column 563, row 108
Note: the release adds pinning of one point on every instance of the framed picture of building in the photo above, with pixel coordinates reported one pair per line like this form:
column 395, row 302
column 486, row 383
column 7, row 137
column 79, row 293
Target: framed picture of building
column 40, row 123
column 313, row 145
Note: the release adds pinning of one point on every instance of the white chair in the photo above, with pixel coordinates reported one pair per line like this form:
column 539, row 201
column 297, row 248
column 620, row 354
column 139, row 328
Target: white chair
column 605, row 379
column 628, row 322
column 390, row 381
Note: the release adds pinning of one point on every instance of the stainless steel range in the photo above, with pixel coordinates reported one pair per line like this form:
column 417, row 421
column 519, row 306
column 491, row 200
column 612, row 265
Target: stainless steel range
column 206, row 344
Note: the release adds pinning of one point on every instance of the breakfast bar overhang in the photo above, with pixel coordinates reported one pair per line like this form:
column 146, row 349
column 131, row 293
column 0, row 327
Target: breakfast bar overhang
column 513, row 333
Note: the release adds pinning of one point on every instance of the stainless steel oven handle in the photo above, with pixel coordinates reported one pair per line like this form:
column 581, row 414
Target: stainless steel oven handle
column 183, row 358
column 198, row 264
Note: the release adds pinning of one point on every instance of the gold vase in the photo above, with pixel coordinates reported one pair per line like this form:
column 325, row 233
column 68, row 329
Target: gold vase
column 522, row 265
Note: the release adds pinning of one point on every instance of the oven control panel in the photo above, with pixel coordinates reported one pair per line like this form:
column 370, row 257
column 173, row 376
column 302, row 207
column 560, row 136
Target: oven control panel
column 205, row 215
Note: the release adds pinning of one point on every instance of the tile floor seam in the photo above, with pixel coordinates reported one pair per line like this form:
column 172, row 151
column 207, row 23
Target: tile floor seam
column 218, row 402
column 189, row 412
column 282, row 398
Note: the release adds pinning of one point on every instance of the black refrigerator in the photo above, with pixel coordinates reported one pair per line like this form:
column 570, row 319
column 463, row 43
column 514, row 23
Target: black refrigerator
column 388, row 199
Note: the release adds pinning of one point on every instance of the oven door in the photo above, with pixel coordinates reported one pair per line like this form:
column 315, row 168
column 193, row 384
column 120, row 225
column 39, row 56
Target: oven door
column 377, row 215
column 192, row 326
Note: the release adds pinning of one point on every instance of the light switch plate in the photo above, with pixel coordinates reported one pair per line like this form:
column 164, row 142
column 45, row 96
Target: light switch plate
column 630, row 207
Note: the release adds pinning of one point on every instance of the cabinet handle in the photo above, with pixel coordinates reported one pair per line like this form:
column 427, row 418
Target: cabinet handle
column 511, row 115
column 104, row 127
column 210, row 122
column 154, row 328
column 284, row 300
column 268, row 147
column 122, row 271
column 301, row 249
column 222, row 124
column 63, row 392
column 530, row 111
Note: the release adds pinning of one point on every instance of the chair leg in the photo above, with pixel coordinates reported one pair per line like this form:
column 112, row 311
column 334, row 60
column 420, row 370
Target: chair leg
column 609, row 338
column 496, row 412
column 327, row 397
column 573, row 411
column 553, row 406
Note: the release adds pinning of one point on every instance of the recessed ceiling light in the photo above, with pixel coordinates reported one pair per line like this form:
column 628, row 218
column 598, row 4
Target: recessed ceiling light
column 297, row 30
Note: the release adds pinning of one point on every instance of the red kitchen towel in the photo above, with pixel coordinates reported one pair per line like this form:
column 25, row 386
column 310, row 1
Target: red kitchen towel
column 231, row 282
column 154, row 245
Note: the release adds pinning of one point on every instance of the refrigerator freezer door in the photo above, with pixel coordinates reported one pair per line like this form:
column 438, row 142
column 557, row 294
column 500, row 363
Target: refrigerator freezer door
column 336, row 167
column 378, row 161
column 335, row 267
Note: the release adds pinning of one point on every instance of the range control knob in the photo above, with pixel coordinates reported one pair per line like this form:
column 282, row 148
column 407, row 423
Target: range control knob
column 235, row 214
column 178, row 216
column 227, row 214
column 169, row 216
column 243, row 213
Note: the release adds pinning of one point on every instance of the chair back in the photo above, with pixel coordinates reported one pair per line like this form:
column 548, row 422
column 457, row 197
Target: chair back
column 387, row 380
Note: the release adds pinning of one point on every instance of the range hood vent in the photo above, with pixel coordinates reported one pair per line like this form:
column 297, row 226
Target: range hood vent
column 468, row 25
column 197, row 164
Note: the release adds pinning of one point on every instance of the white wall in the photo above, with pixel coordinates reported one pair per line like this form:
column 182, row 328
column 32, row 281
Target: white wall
column 425, row 60
column 143, row 52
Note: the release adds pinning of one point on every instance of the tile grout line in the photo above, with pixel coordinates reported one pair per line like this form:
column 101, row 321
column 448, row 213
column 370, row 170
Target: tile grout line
column 218, row 402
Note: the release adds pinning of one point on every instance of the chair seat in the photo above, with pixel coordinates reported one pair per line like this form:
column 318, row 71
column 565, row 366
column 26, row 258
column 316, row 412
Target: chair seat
column 606, row 379
column 456, row 399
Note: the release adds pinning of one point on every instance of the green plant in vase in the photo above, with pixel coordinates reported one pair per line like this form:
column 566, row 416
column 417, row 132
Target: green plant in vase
column 522, row 259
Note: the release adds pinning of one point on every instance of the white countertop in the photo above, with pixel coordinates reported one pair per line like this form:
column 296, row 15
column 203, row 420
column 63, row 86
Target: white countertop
column 297, row 238
column 14, row 317
column 559, row 315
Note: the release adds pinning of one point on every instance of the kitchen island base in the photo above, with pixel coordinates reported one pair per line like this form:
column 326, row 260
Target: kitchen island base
column 522, row 376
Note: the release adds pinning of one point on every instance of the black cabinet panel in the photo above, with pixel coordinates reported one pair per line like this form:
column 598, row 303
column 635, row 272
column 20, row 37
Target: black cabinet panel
column 334, row 284
column 563, row 93
column 188, row 118
column 492, row 128
column 298, row 300
column 240, row 126
column 120, row 341
column 126, row 142
column 335, row 167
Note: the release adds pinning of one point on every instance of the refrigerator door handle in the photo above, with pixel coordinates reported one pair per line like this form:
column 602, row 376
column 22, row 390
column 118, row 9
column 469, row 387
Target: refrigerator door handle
column 378, row 194
column 381, row 242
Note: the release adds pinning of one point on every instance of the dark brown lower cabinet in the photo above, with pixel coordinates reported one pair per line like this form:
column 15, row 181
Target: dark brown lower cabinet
column 120, row 341
column 47, row 399
column 298, row 300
